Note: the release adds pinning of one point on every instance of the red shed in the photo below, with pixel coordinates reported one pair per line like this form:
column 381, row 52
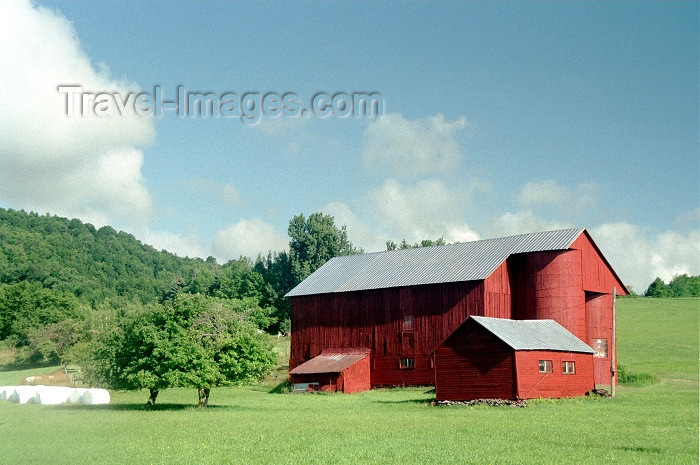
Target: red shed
column 345, row 370
column 489, row 358
column 402, row 304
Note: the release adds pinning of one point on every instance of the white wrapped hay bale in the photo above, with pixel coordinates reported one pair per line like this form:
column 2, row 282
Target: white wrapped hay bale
column 95, row 397
column 23, row 394
column 52, row 395
column 4, row 393
column 76, row 395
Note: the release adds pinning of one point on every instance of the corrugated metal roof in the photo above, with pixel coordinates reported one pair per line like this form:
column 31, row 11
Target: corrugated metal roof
column 467, row 261
column 332, row 363
column 533, row 334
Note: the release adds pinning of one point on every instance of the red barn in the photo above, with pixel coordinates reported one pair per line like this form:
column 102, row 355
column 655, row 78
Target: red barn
column 512, row 359
column 400, row 305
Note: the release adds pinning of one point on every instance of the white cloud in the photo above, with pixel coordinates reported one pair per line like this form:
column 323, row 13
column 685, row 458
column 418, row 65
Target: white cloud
column 550, row 194
column 423, row 210
column 639, row 259
column 524, row 222
column 359, row 232
column 187, row 246
column 248, row 238
column 411, row 148
column 83, row 166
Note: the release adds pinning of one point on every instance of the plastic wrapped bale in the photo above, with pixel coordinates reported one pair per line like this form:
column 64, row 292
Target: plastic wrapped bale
column 96, row 397
column 23, row 394
column 4, row 393
column 76, row 396
column 52, row 395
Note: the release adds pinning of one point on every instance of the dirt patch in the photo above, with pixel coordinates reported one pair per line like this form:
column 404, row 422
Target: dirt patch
column 59, row 378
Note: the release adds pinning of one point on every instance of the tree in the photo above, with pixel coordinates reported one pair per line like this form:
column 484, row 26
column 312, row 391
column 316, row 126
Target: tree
column 391, row 245
column 684, row 286
column 276, row 270
column 657, row 289
column 314, row 241
column 189, row 341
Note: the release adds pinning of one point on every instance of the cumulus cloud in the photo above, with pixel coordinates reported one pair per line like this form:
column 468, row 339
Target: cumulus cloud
column 412, row 147
column 524, row 222
column 551, row 194
column 359, row 232
column 83, row 166
column 248, row 238
column 639, row 258
column 187, row 246
column 425, row 209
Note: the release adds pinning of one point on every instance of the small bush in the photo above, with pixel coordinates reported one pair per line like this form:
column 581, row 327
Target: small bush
column 629, row 378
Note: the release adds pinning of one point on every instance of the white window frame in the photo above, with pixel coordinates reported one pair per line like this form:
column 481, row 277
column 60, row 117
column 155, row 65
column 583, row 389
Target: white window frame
column 568, row 367
column 546, row 366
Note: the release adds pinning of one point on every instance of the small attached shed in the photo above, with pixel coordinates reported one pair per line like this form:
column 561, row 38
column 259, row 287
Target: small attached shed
column 345, row 370
column 488, row 358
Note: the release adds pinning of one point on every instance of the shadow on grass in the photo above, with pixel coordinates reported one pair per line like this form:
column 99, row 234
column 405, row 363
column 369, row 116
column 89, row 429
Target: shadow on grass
column 27, row 366
column 284, row 387
column 144, row 407
column 407, row 401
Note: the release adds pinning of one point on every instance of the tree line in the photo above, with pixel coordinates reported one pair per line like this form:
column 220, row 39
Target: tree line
column 680, row 286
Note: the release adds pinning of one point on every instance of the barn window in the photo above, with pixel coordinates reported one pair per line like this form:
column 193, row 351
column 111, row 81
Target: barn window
column 407, row 324
column 601, row 348
column 568, row 368
column 406, row 363
column 546, row 366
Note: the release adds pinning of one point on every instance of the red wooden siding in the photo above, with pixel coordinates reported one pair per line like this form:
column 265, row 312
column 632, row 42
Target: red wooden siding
column 555, row 289
column 356, row 378
column 597, row 274
column 599, row 322
column 375, row 318
column 497, row 293
column 532, row 384
column 480, row 366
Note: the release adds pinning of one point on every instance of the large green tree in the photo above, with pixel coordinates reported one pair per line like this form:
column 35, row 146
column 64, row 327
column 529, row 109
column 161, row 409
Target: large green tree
column 191, row 340
column 314, row 241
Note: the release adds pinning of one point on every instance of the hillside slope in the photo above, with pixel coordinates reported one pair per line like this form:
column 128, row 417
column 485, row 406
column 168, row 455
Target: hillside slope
column 93, row 264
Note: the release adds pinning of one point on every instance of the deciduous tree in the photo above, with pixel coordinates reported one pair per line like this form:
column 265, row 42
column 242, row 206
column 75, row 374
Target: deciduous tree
column 190, row 341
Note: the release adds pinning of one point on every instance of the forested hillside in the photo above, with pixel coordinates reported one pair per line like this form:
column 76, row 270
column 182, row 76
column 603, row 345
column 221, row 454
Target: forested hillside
column 64, row 283
column 92, row 264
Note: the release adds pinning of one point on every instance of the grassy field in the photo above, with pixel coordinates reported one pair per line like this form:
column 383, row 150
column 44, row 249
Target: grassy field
column 655, row 424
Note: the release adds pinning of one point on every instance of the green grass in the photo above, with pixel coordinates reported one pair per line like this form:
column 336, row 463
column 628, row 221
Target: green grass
column 660, row 336
column 656, row 424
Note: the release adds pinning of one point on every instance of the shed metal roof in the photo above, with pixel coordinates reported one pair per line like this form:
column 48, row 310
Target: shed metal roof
column 467, row 261
column 533, row 334
column 330, row 363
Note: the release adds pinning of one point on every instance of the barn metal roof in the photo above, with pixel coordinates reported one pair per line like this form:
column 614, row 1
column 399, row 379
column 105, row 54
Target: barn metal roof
column 331, row 363
column 466, row 261
column 533, row 334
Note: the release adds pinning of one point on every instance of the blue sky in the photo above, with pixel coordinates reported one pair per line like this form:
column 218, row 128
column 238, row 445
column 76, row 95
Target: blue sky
column 499, row 118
